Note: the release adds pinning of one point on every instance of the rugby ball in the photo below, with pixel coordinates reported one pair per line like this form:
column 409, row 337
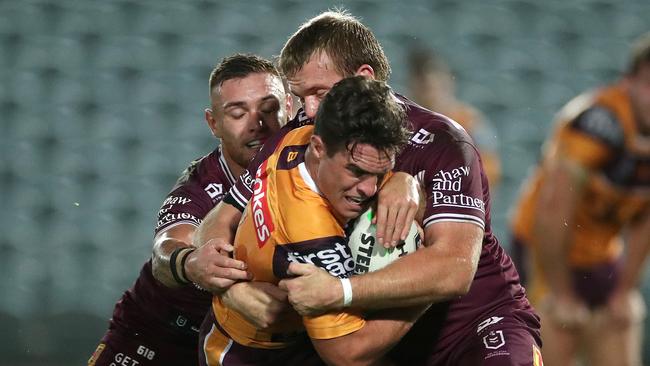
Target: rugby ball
column 368, row 254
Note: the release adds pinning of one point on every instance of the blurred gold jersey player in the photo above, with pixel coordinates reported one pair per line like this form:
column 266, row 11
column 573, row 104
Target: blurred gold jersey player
column 590, row 195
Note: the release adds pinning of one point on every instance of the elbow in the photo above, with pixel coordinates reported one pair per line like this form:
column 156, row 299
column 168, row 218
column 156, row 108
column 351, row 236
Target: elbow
column 461, row 288
column 459, row 284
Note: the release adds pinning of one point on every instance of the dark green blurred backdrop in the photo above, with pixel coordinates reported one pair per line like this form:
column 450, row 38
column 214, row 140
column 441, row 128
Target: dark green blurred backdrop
column 101, row 108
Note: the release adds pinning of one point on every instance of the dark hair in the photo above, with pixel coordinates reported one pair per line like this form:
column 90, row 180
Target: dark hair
column 239, row 66
column 343, row 37
column 640, row 54
column 361, row 110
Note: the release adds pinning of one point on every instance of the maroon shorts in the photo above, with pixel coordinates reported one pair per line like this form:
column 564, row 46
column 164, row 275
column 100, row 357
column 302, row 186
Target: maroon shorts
column 122, row 348
column 496, row 341
column 596, row 284
column 593, row 285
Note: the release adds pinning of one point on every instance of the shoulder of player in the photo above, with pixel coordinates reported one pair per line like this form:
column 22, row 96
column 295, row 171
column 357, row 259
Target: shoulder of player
column 435, row 133
column 207, row 176
column 600, row 123
column 298, row 136
column 423, row 120
column 289, row 130
column 304, row 216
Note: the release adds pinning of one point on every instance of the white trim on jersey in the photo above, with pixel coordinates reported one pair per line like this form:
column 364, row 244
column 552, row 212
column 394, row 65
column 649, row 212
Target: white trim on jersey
column 304, row 173
column 238, row 197
column 225, row 168
column 225, row 351
column 205, row 343
column 459, row 206
column 455, row 218
column 193, row 223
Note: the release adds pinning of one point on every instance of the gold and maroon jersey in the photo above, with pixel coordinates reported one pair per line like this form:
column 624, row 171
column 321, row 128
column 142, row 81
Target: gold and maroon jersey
column 287, row 220
column 598, row 131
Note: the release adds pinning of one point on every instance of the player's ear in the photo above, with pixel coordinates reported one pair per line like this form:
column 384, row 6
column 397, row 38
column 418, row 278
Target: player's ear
column 289, row 105
column 365, row 70
column 214, row 126
column 317, row 146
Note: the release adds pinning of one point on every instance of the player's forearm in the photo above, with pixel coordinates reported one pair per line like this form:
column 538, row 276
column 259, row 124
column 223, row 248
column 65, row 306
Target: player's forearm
column 553, row 252
column 443, row 270
column 554, row 224
column 370, row 344
column 419, row 278
column 221, row 222
column 160, row 261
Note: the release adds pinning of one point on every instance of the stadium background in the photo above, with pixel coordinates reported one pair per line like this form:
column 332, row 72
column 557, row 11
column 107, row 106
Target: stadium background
column 101, row 104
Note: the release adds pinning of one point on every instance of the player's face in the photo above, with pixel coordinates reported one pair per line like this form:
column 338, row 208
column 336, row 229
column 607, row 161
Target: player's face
column 313, row 81
column 245, row 112
column 348, row 180
column 640, row 94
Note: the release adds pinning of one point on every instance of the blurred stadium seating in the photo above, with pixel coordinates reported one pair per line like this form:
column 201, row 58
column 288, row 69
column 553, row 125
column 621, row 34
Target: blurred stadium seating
column 101, row 105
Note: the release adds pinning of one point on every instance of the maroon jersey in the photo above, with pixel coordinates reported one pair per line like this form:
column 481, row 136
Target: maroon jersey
column 445, row 160
column 151, row 308
column 447, row 164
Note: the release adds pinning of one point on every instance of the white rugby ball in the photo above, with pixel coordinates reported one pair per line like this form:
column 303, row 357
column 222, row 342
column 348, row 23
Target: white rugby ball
column 368, row 254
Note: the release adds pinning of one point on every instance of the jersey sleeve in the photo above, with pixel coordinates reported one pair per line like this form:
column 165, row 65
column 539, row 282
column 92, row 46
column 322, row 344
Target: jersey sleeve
column 333, row 325
column 591, row 137
column 453, row 182
column 242, row 191
column 187, row 203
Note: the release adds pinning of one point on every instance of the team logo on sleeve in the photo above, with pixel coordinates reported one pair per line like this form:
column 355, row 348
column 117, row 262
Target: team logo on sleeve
column 422, row 137
column 214, row 190
column 260, row 208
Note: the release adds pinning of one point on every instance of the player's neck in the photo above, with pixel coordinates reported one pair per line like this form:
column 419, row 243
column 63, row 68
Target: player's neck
column 235, row 168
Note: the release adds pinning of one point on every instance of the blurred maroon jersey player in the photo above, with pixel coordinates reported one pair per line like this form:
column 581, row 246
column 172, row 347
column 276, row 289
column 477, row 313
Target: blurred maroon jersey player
column 156, row 323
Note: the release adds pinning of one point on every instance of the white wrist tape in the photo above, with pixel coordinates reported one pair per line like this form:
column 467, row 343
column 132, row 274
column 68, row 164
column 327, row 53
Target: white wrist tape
column 347, row 292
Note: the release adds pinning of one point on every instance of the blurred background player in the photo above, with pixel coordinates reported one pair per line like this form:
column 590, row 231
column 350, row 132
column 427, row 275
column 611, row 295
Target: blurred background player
column 431, row 84
column 589, row 196
column 157, row 323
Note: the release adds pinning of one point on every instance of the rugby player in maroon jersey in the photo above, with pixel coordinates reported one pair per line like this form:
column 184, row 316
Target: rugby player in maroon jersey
column 157, row 323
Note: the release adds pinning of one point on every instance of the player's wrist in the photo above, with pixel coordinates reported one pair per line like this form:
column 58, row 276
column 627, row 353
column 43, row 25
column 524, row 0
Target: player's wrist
column 177, row 261
column 347, row 292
